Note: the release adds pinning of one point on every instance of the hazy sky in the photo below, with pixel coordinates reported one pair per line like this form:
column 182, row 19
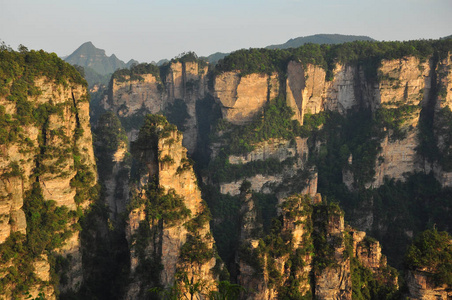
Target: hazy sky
column 149, row 30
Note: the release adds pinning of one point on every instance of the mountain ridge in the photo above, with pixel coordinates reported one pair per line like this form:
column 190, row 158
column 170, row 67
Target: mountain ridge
column 97, row 66
column 320, row 39
column 88, row 55
column 299, row 41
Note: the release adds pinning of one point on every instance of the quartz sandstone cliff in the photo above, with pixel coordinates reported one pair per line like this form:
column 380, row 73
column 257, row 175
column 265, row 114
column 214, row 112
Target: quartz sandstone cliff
column 51, row 155
column 310, row 250
column 242, row 97
column 183, row 247
column 149, row 94
column 421, row 286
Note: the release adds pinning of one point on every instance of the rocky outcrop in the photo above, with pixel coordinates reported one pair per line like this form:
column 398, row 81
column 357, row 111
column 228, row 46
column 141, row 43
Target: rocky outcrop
column 404, row 80
column 421, row 286
column 309, row 249
column 180, row 240
column 242, row 97
column 133, row 96
column 114, row 160
column 129, row 96
column 117, row 189
column 293, row 154
column 51, row 158
column 309, row 92
column 264, row 268
column 401, row 83
column 274, row 148
column 397, row 159
column 332, row 272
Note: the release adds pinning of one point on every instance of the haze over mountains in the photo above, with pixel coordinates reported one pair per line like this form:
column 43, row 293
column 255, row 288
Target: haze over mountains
column 88, row 56
column 98, row 67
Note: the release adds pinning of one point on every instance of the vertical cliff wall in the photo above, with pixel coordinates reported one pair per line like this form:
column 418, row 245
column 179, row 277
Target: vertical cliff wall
column 398, row 88
column 168, row 229
column 243, row 97
column 47, row 173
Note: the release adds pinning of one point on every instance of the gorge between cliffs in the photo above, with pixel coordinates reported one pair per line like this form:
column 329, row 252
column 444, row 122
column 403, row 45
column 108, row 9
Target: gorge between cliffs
column 318, row 172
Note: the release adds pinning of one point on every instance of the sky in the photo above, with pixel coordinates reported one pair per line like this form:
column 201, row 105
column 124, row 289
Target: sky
column 150, row 30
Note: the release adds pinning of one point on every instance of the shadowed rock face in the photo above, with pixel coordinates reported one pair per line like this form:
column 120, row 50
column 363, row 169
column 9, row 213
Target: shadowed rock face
column 317, row 256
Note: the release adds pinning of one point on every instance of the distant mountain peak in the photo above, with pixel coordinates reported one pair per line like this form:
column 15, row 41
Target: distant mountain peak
column 88, row 56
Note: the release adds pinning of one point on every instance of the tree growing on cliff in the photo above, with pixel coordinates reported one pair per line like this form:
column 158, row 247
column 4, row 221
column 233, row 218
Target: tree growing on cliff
column 431, row 252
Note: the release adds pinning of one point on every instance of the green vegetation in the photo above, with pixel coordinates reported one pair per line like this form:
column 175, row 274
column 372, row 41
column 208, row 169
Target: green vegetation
column 147, row 261
column 357, row 136
column 109, row 136
column 177, row 114
column 196, row 250
column 169, row 207
column 394, row 118
column 398, row 208
column 325, row 244
column 320, row 39
column 444, row 130
column 274, row 122
column 223, row 171
column 341, row 143
column 431, row 251
column 48, row 226
column 278, row 244
column 367, row 285
column 154, row 128
column 363, row 53
column 135, row 72
column 134, row 121
column 18, row 72
column 225, row 229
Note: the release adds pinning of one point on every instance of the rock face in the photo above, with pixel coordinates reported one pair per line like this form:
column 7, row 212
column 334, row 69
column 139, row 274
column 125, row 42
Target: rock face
column 396, row 159
column 264, row 273
column 274, row 148
column 317, row 242
column 400, row 82
column 242, row 97
column 114, row 160
column 421, row 286
column 132, row 96
column 180, row 238
column 292, row 154
column 333, row 277
column 128, row 96
column 52, row 161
